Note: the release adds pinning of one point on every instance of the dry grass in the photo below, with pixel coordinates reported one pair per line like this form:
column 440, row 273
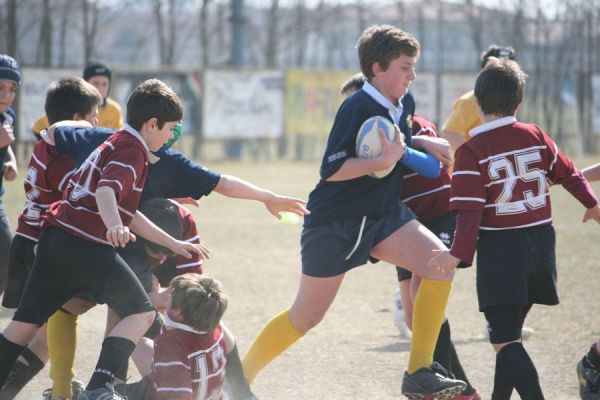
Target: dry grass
column 356, row 352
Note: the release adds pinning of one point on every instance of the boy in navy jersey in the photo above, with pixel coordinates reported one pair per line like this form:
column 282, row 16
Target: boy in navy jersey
column 355, row 216
column 500, row 192
column 76, row 250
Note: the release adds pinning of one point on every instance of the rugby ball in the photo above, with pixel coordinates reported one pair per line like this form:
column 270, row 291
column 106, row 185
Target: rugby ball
column 368, row 143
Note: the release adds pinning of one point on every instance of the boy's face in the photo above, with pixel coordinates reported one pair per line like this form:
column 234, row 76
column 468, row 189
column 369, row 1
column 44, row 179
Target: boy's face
column 394, row 82
column 102, row 83
column 8, row 91
column 92, row 116
column 158, row 137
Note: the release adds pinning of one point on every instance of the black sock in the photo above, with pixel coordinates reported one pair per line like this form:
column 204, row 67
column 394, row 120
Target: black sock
column 442, row 347
column 593, row 358
column 514, row 362
column 503, row 385
column 458, row 371
column 9, row 352
column 112, row 363
column 240, row 389
column 20, row 374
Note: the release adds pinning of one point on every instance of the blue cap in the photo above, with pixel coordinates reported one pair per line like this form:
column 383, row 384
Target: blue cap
column 10, row 69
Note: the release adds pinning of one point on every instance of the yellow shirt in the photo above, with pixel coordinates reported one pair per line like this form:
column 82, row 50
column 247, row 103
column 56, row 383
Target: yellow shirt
column 109, row 116
column 464, row 115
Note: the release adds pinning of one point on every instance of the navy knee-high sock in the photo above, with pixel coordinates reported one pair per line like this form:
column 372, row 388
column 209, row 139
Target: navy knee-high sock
column 514, row 362
column 9, row 352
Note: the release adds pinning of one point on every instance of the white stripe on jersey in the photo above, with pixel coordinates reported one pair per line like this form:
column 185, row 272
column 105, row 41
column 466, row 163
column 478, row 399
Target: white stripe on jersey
column 65, row 179
column 410, row 175
column 488, row 228
column 37, row 160
column 177, row 389
column 111, row 180
column 477, row 199
column 466, row 173
column 426, row 193
column 94, row 238
column 126, row 212
column 78, row 208
column 25, row 236
column 508, row 153
column 188, row 265
column 555, row 158
column 197, row 237
column 540, row 196
column 124, row 166
column 171, row 364
column 210, row 348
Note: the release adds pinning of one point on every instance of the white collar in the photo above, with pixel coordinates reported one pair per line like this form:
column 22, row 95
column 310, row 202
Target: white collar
column 151, row 157
column 488, row 126
column 395, row 112
column 169, row 323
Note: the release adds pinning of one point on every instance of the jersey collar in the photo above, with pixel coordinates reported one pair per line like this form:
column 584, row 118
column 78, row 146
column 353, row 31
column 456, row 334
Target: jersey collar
column 149, row 156
column 169, row 323
column 395, row 112
column 488, row 126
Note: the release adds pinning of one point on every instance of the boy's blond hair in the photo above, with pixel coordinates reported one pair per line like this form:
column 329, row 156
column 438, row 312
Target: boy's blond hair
column 153, row 99
column 500, row 87
column 382, row 44
column 200, row 299
column 69, row 96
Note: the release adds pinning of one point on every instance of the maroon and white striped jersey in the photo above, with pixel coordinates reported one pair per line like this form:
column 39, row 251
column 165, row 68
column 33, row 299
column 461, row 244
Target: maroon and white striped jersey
column 190, row 234
column 188, row 365
column 119, row 163
column 47, row 176
column 428, row 198
column 505, row 171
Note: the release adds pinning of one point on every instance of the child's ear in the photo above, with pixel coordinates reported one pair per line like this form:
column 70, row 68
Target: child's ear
column 377, row 69
column 152, row 122
column 76, row 117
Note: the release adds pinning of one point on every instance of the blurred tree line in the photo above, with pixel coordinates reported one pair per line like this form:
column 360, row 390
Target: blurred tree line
column 557, row 41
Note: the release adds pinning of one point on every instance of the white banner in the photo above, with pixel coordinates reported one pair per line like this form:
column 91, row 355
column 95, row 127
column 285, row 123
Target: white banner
column 32, row 95
column 243, row 104
column 596, row 110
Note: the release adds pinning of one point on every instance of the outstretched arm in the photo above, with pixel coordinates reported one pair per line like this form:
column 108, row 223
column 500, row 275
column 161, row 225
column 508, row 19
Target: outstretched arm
column 237, row 188
column 592, row 173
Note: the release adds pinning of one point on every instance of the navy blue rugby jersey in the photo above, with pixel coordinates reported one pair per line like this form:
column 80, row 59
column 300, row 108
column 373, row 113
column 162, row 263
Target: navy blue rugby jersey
column 364, row 195
column 172, row 176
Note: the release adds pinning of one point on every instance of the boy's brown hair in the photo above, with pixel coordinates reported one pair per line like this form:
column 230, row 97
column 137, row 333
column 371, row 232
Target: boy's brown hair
column 153, row 99
column 69, row 96
column 500, row 87
column 382, row 44
column 353, row 84
column 200, row 299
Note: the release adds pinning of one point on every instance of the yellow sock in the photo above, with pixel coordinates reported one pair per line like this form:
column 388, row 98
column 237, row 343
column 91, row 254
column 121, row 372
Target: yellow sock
column 62, row 342
column 276, row 336
column 428, row 316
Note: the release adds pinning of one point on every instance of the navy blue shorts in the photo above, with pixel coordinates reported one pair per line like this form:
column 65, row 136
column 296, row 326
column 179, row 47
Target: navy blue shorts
column 516, row 267
column 334, row 248
column 19, row 267
column 442, row 227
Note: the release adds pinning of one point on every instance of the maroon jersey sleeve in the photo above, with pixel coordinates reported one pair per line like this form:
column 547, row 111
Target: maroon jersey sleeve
column 120, row 172
column 563, row 172
column 172, row 373
column 468, row 187
column 190, row 234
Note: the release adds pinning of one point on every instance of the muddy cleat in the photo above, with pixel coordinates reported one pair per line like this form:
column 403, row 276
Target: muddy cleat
column 426, row 383
column 589, row 380
column 103, row 393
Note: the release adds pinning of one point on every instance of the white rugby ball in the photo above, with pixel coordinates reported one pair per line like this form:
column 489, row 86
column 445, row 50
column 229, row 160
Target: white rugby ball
column 368, row 143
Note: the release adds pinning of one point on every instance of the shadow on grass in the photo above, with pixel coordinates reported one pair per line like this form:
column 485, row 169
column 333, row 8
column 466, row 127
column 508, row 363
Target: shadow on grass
column 403, row 345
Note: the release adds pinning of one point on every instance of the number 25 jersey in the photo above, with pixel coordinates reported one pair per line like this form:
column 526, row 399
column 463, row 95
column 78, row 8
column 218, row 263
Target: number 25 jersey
column 505, row 171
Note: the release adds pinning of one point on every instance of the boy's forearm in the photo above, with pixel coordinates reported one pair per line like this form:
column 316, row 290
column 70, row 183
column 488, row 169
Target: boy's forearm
column 592, row 173
column 10, row 156
column 107, row 206
column 234, row 187
column 145, row 228
column 354, row 168
column 465, row 235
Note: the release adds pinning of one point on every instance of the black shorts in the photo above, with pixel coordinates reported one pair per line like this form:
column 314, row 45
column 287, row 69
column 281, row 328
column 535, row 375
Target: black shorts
column 505, row 322
column 20, row 263
column 334, row 248
column 516, row 267
column 442, row 227
column 66, row 265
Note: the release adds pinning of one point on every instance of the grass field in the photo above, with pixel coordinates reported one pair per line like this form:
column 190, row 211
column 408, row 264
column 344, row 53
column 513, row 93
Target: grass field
column 356, row 352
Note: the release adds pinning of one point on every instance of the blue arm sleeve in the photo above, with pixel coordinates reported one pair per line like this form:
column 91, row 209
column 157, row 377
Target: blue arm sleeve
column 78, row 143
column 422, row 163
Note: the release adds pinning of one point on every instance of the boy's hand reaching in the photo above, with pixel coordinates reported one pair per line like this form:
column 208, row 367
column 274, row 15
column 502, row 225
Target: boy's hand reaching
column 443, row 261
column 7, row 136
column 392, row 151
column 119, row 235
column 186, row 249
column 277, row 204
column 10, row 170
column 437, row 147
column 592, row 213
